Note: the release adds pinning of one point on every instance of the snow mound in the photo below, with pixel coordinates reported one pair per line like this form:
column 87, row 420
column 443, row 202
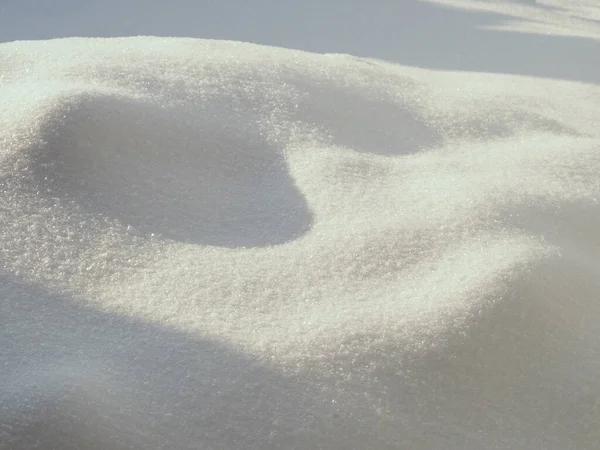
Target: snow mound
column 212, row 244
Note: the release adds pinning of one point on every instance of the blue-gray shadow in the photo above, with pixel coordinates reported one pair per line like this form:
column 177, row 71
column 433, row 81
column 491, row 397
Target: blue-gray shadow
column 185, row 173
column 73, row 377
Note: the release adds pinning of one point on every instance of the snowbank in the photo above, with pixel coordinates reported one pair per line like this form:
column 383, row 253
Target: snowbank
column 210, row 244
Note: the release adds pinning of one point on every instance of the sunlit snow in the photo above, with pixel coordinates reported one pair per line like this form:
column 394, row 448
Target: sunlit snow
column 376, row 226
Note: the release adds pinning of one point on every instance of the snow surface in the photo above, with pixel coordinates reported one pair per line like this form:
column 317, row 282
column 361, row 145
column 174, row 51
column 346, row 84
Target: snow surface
column 215, row 244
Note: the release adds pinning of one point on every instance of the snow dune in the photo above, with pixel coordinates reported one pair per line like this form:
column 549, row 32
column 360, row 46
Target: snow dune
column 211, row 244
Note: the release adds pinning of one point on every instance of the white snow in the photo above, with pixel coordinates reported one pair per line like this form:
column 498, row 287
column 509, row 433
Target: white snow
column 214, row 244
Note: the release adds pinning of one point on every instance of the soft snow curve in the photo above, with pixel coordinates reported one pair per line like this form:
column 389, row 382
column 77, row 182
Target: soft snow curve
column 211, row 244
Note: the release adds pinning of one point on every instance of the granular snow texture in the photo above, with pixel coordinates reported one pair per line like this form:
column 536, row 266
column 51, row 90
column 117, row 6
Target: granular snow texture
column 218, row 245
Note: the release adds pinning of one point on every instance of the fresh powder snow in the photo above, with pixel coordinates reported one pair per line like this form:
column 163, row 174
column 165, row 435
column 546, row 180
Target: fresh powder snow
column 210, row 244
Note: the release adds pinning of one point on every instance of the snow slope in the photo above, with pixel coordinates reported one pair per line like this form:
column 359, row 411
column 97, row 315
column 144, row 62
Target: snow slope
column 216, row 244
column 543, row 38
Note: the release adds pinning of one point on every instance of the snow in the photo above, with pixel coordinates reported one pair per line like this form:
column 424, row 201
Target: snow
column 221, row 244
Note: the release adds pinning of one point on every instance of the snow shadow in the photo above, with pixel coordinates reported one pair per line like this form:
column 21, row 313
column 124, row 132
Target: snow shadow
column 197, row 173
column 367, row 122
column 75, row 378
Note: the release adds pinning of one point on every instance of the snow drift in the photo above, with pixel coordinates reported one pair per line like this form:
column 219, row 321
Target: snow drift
column 210, row 244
